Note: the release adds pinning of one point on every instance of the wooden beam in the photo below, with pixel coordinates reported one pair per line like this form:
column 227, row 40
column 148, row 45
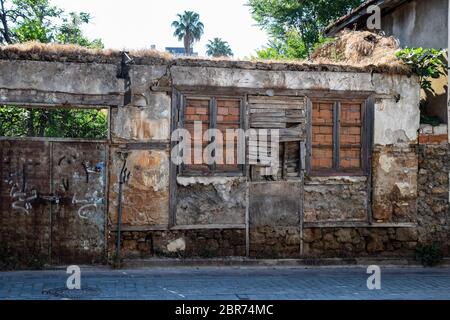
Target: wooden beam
column 173, row 170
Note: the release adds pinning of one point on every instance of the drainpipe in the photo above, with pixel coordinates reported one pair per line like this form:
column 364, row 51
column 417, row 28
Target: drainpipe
column 123, row 179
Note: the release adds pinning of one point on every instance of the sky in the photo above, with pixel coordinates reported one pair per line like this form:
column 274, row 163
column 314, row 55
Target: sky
column 138, row 24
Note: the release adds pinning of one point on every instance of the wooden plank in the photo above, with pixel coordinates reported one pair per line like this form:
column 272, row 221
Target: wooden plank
column 284, row 164
column 368, row 132
column 268, row 111
column 280, row 112
column 302, row 155
column 308, row 136
column 173, row 172
column 295, row 113
column 268, row 118
column 276, row 100
column 277, row 106
column 268, row 125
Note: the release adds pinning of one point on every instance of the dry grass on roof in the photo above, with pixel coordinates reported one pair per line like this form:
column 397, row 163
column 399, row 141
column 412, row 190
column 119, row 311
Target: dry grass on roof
column 350, row 51
column 361, row 49
column 69, row 52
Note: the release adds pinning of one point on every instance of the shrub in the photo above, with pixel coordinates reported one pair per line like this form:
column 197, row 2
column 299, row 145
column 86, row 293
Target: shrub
column 429, row 255
column 425, row 63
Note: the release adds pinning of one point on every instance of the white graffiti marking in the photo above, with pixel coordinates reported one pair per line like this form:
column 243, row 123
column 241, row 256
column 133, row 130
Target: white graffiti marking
column 89, row 207
column 22, row 200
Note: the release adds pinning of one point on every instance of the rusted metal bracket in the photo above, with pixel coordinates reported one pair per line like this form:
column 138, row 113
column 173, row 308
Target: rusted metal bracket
column 124, row 73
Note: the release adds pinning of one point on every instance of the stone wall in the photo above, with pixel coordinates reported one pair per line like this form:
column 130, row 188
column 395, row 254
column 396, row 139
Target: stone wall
column 198, row 243
column 359, row 242
column 335, row 199
column 433, row 201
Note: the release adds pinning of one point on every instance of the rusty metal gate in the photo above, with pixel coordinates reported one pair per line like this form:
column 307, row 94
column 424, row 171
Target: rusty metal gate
column 52, row 199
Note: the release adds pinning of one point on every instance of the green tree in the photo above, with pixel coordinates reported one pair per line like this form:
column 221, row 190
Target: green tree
column 37, row 20
column 307, row 18
column 5, row 15
column 188, row 28
column 218, row 48
column 290, row 47
column 426, row 63
column 62, row 123
column 70, row 31
column 33, row 20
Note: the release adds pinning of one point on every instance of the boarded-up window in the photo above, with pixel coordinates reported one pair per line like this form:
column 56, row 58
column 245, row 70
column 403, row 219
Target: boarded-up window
column 322, row 136
column 350, row 136
column 336, row 142
column 213, row 113
column 197, row 110
column 229, row 117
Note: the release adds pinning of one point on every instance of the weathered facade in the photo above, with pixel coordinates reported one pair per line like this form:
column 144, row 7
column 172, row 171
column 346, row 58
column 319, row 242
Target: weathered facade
column 409, row 22
column 367, row 195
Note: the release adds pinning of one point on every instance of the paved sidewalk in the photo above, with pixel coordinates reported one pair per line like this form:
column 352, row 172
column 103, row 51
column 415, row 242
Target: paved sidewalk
column 229, row 283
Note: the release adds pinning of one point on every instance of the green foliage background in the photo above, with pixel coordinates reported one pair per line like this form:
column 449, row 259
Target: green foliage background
column 38, row 20
column 296, row 27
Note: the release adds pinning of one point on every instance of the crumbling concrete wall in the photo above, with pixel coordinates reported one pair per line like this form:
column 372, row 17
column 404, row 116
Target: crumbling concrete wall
column 274, row 219
column 395, row 183
column 145, row 197
column 235, row 216
column 218, row 200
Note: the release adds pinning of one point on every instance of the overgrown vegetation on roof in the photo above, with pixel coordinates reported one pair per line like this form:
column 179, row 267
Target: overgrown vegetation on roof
column 350, row 51
column 361, row 48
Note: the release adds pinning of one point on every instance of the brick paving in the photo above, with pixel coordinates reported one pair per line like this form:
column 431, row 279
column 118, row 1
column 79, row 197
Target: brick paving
column 229, row 283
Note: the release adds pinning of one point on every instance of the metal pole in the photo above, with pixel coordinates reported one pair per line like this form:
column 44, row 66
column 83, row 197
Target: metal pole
column 119, row 222
column 123, row 178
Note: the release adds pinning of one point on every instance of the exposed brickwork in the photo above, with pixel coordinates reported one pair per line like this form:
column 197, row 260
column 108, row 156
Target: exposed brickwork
column 228, row 117
column 350, row 130
column 322, row 136
column 197, row 110
column 350, row 136
column 433, row 139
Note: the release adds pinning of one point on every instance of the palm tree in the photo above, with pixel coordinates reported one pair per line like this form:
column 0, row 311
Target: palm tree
column 218, row 48
column 189, row 28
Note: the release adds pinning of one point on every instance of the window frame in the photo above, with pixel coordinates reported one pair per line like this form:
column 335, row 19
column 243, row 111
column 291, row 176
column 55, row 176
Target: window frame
column 212, row 169
column 367, row 125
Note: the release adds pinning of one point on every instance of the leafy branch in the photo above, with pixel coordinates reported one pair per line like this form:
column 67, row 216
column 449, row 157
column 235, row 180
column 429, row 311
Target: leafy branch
column 426, row 63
